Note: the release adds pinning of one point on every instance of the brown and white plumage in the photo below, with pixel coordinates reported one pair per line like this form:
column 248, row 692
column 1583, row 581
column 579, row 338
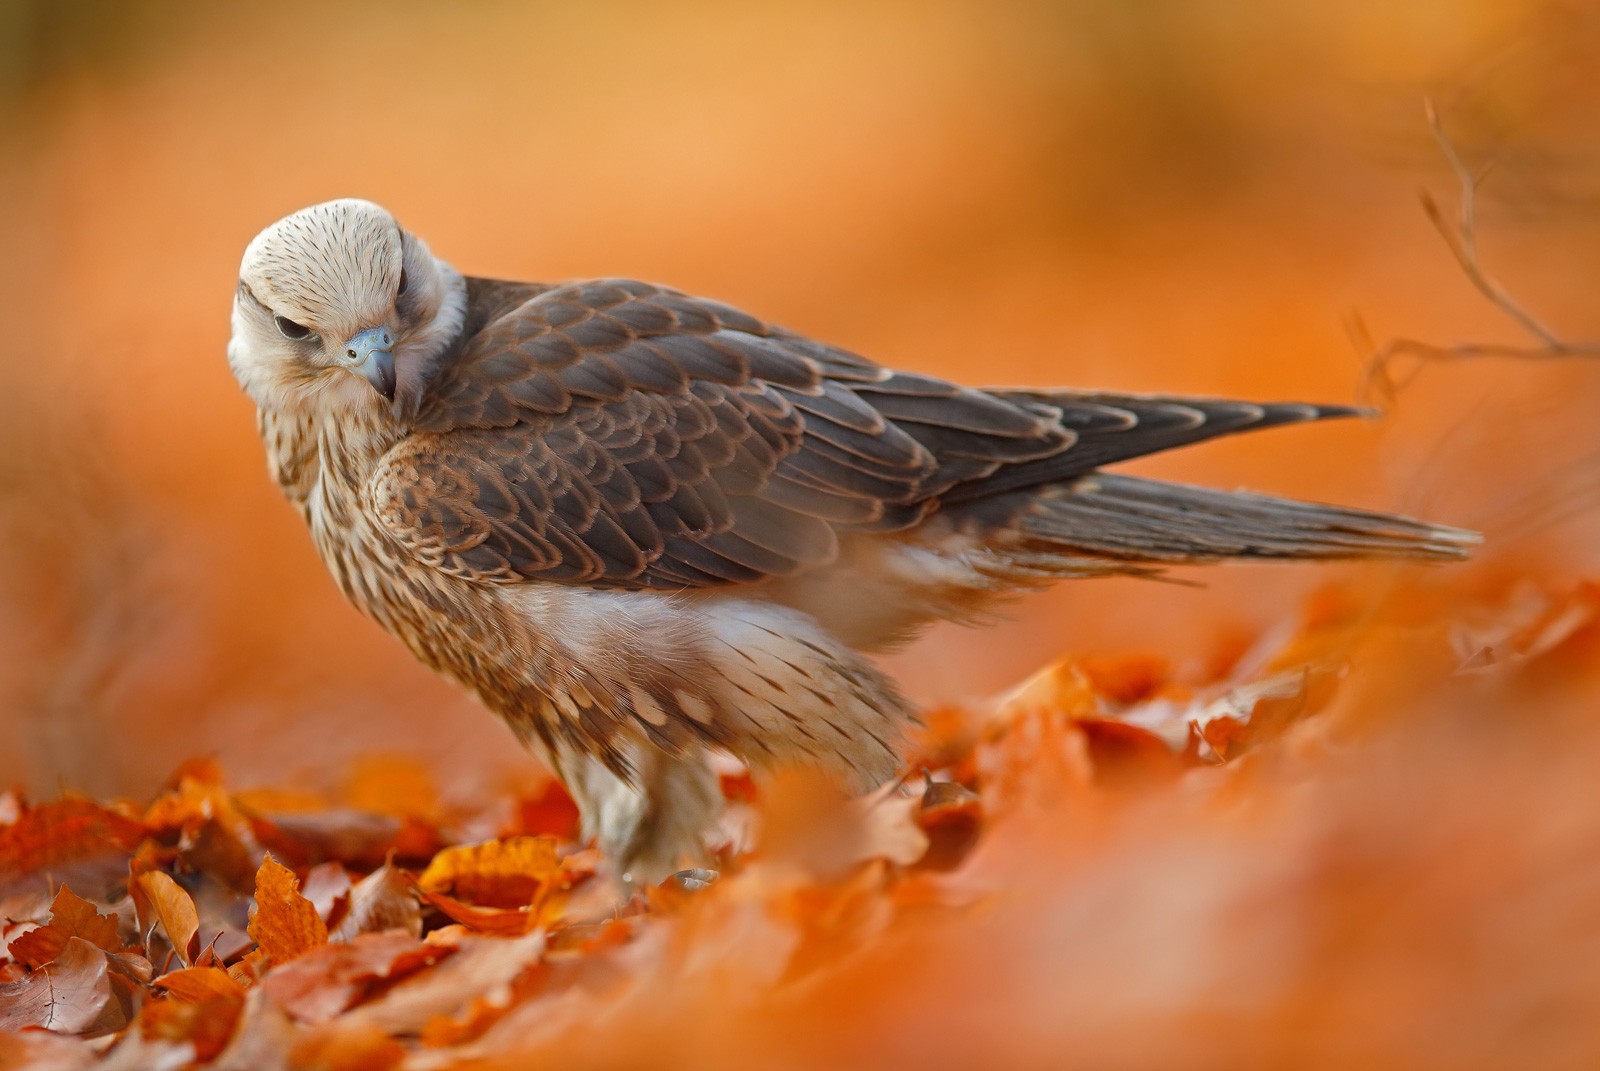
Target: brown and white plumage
column 642, row 525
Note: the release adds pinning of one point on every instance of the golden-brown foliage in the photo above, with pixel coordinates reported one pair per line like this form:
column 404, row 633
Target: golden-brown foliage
column 1369, row 841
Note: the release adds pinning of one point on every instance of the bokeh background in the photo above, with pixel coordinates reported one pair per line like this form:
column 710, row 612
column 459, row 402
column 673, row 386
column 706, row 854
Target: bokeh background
column 1180, row 196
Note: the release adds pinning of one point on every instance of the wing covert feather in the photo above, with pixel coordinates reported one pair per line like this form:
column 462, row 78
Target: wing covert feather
column 619, row 434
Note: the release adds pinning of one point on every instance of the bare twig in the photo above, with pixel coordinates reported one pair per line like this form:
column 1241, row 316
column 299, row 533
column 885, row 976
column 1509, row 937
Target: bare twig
column 1461, row 236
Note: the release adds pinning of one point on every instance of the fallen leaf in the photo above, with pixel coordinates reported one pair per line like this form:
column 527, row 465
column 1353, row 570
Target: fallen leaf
column 383, row 900
column 550, row 812
column 158, row 898
column 507, row 873
column 284, row 923
column 328, row 980
column 807, row 823
column 1125, row 756
column 1062, row 688
column 66, row 995
column 482, row 966
column 951, row 816
column 207, row 1024
column 500, row 921
column 70, row 916
column 328, row 887
column 197, row 984
column 214, row 836
column 57, row 834
column 40, row 1050
column 1127, row 679
column 355, row 837
column 262, row 1039
column 341, row 1046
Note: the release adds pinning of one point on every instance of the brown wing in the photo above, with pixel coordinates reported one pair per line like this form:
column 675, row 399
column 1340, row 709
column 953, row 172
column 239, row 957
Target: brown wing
column 619, row 434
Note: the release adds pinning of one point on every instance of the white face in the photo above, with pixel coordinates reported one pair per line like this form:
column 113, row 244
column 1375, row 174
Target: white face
column 328, row 298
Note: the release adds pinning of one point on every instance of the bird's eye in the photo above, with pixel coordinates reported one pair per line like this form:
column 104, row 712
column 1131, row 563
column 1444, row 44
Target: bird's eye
column 291, row 330
column 401, row 289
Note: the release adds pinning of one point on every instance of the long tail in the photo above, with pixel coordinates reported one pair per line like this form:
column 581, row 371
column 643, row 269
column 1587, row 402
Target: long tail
column 1125, row 519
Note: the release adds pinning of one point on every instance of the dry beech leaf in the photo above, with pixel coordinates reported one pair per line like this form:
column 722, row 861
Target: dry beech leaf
column 482, row 965
column 500, row 921
column 809, row 824
column 506, row 873
column 1125, row 756
column 951, row 815
column 353, row 837
column 66, row 995
column 383, row 900
column 67, row 831
column 1062, row 688
column 550, row 813
column 327, row 886
column 262, row 1038
column 284, row 923
column 70, row 916
column 1128, row 679
column 891, row 827
column 158, row 898
column 346, row 1047
column 197, row 984
column 207, row 1024
column 328, row 980
column 40, row 1050
column 214, row 836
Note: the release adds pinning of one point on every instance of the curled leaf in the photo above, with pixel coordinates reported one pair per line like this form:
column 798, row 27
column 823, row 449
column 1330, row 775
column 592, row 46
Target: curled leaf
column 383, row 900
column 506, row 873
column 158, row 898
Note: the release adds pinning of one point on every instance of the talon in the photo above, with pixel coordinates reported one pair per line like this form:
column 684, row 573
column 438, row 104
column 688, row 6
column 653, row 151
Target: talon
column 694, row 878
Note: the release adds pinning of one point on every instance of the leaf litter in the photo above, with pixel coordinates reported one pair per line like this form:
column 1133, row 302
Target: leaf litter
column 1370, row 838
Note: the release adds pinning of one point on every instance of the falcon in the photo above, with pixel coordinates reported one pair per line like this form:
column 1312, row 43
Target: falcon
column 645, row 527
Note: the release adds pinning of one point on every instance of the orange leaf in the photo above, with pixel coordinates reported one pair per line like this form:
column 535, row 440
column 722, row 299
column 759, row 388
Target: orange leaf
column 1129, row 678
column 66, row 995
column 197, row 984
column 328, row 980
column 347, row 1047
column 500, row 921
column 1126, row 756
column 63, row 832
column 155, row 893
column 383, row 900
column 70, row 916
column 77, row 917
column 551, row 812
column 207, row 1024
column 1062, row 688
column 40, row 1049
column 497, row 873
column 284, row 923
column 952, row 817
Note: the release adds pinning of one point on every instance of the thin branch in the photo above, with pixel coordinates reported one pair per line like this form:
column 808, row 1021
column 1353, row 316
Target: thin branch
column 1461, row 237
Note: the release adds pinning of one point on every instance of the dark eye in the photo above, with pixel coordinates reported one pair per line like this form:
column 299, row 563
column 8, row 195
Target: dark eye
column 289, row 329
column 401, row 289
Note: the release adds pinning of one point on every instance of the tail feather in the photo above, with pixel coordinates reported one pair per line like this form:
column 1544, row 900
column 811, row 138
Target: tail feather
column 1131, row 519
column 1107, row 428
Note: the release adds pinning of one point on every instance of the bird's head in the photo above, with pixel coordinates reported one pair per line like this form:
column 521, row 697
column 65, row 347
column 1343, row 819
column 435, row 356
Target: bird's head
column 334, row 303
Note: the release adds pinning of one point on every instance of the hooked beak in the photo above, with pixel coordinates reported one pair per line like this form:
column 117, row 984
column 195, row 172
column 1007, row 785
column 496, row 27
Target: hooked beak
column 369, row 353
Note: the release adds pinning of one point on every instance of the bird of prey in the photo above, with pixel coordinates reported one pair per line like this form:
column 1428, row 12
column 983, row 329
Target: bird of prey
column 644, row 526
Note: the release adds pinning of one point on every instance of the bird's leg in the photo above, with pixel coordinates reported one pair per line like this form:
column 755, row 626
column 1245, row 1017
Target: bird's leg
column 657, row 823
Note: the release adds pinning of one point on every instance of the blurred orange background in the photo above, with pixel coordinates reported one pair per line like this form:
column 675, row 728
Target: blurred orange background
column 1185, row 197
